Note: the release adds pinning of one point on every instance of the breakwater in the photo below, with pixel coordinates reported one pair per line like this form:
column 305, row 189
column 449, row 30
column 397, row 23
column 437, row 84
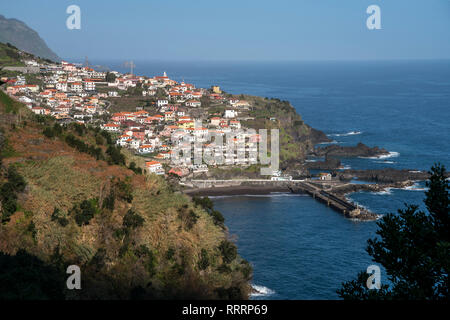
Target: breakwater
column 314, row 188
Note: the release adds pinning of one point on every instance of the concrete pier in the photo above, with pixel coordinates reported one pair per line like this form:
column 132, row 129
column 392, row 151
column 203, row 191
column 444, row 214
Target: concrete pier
column 311, row 187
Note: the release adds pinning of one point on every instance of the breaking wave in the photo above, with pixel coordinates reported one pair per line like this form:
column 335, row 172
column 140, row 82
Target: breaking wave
column 391, row 154
column 331, row 142
column 385, row 192
column 351, row 133
column 261, row 291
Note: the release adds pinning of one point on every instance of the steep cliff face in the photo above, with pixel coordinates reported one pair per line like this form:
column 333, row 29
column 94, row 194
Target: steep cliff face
column 23, row 37
column 72, row 200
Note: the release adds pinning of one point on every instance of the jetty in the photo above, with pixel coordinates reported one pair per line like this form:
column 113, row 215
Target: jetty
column 342, row 205
column 318, row 190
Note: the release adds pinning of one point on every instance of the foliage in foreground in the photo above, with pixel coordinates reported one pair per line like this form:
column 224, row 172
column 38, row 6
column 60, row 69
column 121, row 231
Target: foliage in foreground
column 414, row 249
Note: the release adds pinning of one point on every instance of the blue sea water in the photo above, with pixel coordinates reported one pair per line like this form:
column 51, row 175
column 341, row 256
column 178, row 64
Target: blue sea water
column 301, row 249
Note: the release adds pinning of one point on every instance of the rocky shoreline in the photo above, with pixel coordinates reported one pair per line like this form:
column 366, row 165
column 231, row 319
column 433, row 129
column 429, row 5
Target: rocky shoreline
column 387, row 175
column 349, row 188
column 360, row 150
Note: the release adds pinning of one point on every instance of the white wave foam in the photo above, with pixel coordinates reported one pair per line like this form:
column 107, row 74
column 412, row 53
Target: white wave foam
column 261, row 291
column 391, row 154
column 310, row 160
column 386, row 162
column 351, row 133
column 349, row 199
column 332, row 142
column 414, row 187
column 385, row 192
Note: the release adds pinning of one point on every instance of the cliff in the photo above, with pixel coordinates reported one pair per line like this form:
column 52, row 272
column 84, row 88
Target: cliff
column 17, row 33
column 297, row 139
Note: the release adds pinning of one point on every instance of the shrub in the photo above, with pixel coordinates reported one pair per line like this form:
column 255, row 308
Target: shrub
column 207, row 204
column 115, row 156
column 132, row 220
column 203, row 263
column 48, row 132
column 108, row 203
column 59, row 217
column 85, row 211
column 124, row 190
column 228, row 251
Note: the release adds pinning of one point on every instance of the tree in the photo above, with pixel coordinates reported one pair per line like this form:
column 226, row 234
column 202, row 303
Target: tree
column 110, row 77
column 203, row 263
column 414, row 249
column 228, row 251
column 26, row 277
column 208, row 206
column 132, row 220
column 85, row 211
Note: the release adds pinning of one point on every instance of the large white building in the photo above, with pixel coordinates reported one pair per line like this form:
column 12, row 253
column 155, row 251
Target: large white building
column 89, row 85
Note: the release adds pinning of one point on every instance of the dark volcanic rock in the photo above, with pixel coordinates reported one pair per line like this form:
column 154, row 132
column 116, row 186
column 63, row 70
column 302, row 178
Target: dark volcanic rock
column 317, row 136
column 384, row 175
column 350, row 188
column 360, row 150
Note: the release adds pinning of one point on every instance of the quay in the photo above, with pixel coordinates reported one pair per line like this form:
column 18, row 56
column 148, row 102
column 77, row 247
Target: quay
column 314, row 188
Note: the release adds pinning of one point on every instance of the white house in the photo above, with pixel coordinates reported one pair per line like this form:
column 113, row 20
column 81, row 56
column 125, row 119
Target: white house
column 230, row 114
column 193, row 103
column 111, row 127
column 76, row 87
column 89, row 85
column 61, row 86
column 162, row 102
column 146, row 149
column 154, row 167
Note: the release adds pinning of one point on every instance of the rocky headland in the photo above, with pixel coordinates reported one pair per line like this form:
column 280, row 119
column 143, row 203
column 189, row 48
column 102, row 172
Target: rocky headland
column 360, row 150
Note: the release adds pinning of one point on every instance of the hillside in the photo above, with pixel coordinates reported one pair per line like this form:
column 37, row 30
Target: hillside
column 23, row 37
column 10, row 56
column 67, row 197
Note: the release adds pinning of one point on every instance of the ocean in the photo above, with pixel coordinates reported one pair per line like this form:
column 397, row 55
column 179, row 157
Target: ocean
column 299, row 248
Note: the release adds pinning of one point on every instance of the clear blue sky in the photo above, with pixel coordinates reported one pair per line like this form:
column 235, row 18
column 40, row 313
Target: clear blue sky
column 240, row 29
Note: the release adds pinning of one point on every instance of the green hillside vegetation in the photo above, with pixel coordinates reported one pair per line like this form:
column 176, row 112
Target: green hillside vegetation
column 69, row 197
column 9, row 56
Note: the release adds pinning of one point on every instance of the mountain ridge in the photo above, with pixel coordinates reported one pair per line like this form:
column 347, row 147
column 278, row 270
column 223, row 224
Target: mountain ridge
column 19, row 34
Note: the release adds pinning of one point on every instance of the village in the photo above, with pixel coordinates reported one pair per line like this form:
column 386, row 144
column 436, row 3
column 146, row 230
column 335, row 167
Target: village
column 76, row 93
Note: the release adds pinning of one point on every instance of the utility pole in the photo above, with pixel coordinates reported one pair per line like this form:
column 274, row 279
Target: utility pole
column 130, row 64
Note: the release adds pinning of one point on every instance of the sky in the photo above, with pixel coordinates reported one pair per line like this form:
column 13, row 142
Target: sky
column 246, row 30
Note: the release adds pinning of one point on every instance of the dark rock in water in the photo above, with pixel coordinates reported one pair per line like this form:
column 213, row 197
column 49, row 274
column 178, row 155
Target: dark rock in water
column 342, row 190
column 360, row 150
column 384, row 175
